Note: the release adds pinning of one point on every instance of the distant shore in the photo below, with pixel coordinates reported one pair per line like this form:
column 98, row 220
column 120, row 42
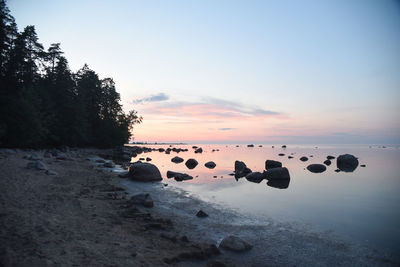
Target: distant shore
column 70, row 213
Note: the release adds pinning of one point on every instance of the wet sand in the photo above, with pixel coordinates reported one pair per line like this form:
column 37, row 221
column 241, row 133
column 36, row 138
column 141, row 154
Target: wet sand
column 82, row 216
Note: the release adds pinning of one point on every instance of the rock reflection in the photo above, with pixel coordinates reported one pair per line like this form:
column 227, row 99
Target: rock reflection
column 280, row 184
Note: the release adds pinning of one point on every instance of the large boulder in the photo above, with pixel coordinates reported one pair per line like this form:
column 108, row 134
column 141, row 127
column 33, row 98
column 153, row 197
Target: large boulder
column 191, row 163
column 145, row 172
column 255, row 177
column 316, row 168
column 270, row 164
column 234, row 243
column 277, row 174
column 210, row 164
column 177, row 159
column 347, row 163
column 241, row 169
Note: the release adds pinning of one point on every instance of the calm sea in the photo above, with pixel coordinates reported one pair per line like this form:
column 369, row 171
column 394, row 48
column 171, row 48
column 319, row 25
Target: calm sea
column 361, row 206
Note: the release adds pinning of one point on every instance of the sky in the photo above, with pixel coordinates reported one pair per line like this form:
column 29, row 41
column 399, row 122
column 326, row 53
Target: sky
column 238, row 71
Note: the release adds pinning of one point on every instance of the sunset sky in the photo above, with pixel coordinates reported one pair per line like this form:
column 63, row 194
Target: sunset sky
column 238, row 71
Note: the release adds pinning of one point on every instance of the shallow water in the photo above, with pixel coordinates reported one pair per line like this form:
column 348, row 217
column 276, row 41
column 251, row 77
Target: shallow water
column 361, row 206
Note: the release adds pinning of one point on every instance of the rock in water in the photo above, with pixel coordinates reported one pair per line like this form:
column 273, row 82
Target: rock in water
column 327, row 162
column 191, row 163
column 201, row 214
column 199, row 150
column 270, row 164
column 303, row 158
column 235, row 243
column 145, row 172
column 177, row 159
column 142, row 199
column 241, row 169
column 316, row 168
column 330, row 157
column 277, row 174
column 255, row 177
column 210, row 164
column 347, row 163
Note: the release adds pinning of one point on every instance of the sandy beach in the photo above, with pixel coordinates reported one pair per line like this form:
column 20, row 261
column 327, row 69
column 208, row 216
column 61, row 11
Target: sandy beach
column 81, row 216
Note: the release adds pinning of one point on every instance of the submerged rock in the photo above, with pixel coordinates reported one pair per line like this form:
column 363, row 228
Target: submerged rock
column 347, row 163
column 191, row 163
column 270, row 164
column 316, row 168
column 234, row 243
column 210, row 164
column 281, row 173
column 145, row 172
column 177, row 159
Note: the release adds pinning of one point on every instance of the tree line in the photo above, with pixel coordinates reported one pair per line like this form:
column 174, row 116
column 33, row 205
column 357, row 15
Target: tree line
column 43, row 103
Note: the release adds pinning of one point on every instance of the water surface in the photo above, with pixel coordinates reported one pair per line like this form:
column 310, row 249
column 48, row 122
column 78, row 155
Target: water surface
column 361, row 206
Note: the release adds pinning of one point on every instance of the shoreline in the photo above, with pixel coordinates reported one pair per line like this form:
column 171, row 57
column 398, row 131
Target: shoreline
column 81, row 216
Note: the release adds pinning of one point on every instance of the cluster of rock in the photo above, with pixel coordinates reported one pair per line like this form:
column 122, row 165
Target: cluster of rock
column 276, row 175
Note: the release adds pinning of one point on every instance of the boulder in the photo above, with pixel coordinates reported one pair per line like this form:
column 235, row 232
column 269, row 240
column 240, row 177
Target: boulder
column 330, row 157
column 234, row 243
column 199, row 150
column 142, row 199
column 210, row 164
column 303, row 158
column 270, row 164
column 191, row 163
column 251, row 145
column 177, row 159
column 36, row 165
column 241, row 169
column 255, row 177
column 347, row 163
column 277, row 174
column 284, row 146
column 148, row 159
column 145, row 172
column 316, row 168
column 281, row 154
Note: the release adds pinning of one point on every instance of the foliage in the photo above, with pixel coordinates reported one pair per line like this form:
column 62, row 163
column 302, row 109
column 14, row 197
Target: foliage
column 42, row 103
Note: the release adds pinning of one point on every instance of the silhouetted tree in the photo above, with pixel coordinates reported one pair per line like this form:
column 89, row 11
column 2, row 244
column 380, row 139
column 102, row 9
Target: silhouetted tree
column 42, row 103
